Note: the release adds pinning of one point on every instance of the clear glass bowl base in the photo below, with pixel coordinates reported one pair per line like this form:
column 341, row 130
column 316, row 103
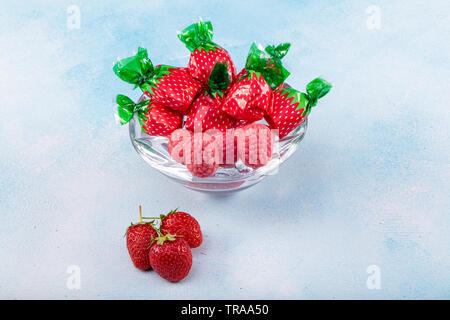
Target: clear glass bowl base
column 153, row 149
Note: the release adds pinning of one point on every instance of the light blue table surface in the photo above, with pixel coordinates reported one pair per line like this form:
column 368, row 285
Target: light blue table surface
column 368, row 186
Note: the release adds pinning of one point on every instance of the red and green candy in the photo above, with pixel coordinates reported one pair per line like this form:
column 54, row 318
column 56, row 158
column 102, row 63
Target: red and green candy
column 249, row 98
column 205, row 54
column 154, row 118
column 290, row 107
column 171, row 86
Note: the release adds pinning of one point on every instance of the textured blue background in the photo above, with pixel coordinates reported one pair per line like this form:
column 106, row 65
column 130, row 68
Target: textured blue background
column 369, row 184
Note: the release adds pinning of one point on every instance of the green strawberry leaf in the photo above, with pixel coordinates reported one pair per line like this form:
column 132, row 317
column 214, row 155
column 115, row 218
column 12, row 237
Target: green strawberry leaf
column 219, row 79
column 297, row 97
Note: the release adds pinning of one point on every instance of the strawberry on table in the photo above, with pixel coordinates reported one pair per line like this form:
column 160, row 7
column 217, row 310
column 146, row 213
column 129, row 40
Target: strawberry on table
column 155, row 119
column 290, row 107
column 171, row 86
column 139, row 238
column 171, row 257
column 255, row 144
column 206, row 112
column 184, row 225
column 205, row 54
column 249, row 97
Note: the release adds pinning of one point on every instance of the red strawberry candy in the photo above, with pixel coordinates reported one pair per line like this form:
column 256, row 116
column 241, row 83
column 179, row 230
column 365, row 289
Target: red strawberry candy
column 184, row 225
column 179, row 141
column 290, row 107
column 204, row 53
column 250, row 95
column 173, row 87
column 206, row 112
column 255, row 144
column 204, row 158
column 171, row 257
column 139, row 238
column 155, row 119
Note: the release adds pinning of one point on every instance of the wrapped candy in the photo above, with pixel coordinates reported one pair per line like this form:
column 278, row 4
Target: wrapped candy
column 206, row 112
column 170, row 86
column 290, row 107
column 155, row 119
column 249, row 98
column 205, row 54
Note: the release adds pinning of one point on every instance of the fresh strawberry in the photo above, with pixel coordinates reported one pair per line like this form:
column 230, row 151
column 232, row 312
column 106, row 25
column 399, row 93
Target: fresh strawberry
column 139, row 238
column 290, row 107
column 206, row 112
column 155, row 119
column 204, row 157
column 184, row 225
column 204, row 53
column 179, row 143
column 249, row 97
column 172, row 87
column 171, row 257
column 255, row 144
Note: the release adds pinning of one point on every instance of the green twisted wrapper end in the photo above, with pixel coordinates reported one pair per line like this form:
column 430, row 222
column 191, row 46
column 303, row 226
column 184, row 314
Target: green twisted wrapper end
column 126, row 109
column 270, row 67
column 136, row 69
column 198, row 36
column 316, row 89
column 278, row 52
column 139, row 70
column 219, row 79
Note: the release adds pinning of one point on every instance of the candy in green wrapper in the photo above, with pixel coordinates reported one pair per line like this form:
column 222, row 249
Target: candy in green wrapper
column 269, row 66
column 170, row 86
column 205, row 54
column 154, row 118
column 249, row 97
column 290, row 107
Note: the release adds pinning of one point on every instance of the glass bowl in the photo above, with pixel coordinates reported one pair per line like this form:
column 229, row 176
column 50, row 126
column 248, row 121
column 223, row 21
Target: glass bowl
column 153, row 149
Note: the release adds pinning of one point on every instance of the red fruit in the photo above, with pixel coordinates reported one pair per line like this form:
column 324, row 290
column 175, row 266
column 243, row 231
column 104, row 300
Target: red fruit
column 184, row 225
column 248, row 98
column 204, row 159
column 172, row 87
column 206, row 113
column 179, row 141
column 290, row 107
column 171, row 257
column 204, row 53
column 160, row 120
column 255, row 144
column 139, row 238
